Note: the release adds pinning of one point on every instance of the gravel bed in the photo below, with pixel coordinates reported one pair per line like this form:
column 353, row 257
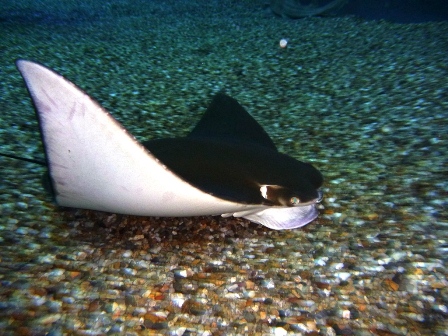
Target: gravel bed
column 365, row 102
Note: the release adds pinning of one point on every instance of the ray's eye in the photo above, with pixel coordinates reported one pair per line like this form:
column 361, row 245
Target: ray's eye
column 294, row 200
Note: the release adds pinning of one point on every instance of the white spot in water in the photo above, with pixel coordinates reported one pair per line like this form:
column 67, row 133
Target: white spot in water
column 283, row 43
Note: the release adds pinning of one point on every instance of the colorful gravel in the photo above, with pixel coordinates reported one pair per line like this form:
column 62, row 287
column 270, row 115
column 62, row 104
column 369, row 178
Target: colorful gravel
column 366, row 102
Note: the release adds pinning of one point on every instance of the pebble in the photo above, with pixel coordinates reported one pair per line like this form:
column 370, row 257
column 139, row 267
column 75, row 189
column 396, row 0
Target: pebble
column 127, row 254
column 279, row 331
column 129, row 271
column 49, row 319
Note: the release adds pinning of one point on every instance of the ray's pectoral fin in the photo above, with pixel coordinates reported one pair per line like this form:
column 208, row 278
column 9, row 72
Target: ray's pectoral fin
column 96, row 164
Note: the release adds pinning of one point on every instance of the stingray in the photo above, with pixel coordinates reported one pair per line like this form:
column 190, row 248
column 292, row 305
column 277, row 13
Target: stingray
column 227, row 165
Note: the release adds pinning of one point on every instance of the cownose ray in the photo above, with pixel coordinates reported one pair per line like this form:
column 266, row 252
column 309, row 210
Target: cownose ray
column 228, row 165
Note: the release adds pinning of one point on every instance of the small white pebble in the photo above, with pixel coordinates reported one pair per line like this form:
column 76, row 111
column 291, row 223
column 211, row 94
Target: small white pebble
column 434, row 141
column 127, row 254
column 140, row 311
column 343, row 275
column 268, row 283
column 441, row 308
column 56, row 273
column 46, row 259
column 250, row 294
column 178, row 299
column 283, row 43
column 181, row 273
column 321, row 261
column 232, row 296
column 68, row 300
column 48, row 319
column 179, row 331
column 163, row 314
column 129, row 271
column 22, row 231
column 22, row 205
column 38, row 300
column 338, row 266
column 280, row 331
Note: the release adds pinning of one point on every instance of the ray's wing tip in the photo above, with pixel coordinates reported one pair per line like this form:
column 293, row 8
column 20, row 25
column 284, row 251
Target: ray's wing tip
column 22, row 64
column 27, row 67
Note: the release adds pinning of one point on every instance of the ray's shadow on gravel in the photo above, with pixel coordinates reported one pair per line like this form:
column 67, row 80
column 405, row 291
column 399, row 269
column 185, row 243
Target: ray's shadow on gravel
column 142, row 233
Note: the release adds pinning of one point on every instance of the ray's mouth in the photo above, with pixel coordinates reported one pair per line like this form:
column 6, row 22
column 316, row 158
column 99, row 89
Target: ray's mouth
column 320, row 196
